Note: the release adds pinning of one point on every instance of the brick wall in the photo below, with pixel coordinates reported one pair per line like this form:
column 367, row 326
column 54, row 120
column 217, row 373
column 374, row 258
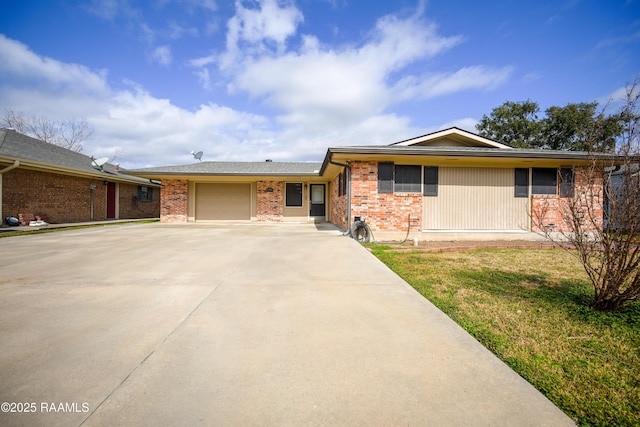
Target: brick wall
column 130, row 207
column 174, row 200
column 61, row 198
column 269, row 204
column 549, row 211
column 65, row 198
column 384, row 212
column 338, row 206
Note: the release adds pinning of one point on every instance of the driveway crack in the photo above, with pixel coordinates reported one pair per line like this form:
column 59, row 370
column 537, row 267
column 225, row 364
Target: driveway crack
column 152, row 352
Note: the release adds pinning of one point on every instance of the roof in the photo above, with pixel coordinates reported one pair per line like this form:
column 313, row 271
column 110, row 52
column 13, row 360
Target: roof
column 470, row 152
column 234, row 168
column 34, row 153
column 460, row 136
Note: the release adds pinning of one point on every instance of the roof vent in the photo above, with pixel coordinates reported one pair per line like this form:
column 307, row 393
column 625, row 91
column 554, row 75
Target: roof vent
column 268, row 160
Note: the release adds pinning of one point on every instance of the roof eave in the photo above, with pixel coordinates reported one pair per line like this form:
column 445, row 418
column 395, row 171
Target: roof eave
column 499, row 153
column 107, row 176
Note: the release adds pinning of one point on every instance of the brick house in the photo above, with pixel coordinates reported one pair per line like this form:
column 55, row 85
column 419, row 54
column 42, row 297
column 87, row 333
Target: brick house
column 451, row 181
column 64, row 186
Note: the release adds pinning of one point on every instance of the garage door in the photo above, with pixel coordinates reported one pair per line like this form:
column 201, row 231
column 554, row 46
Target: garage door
column 223, row 202
column 475, row 199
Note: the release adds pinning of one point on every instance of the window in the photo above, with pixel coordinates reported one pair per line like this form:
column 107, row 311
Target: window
column 385, row 177
column 340, row 184
column 430, row 186
column 521, row 182
column 145, row 194
column 544, row 181
column 294, row 194
column 408, row 179
column 566, row 182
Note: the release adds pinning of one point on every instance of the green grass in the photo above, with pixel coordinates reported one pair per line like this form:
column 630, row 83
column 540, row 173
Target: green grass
column 531, row 308
column 24, row 232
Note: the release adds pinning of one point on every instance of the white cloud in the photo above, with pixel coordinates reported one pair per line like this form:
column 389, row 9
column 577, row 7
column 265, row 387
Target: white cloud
column 149, row 131
column 320, row 96
column 255, row 30
column 162, row 55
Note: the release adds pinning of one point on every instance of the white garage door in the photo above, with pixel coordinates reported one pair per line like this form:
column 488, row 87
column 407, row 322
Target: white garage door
column 223, row 202
column 475, row 199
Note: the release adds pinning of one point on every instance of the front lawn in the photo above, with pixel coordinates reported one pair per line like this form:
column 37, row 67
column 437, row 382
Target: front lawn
column 530, row 307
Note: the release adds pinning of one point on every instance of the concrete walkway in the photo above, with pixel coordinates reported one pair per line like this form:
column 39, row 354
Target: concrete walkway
column 235, row 325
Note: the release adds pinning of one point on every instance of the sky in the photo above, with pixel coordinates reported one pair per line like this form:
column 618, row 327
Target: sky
column 250, row 80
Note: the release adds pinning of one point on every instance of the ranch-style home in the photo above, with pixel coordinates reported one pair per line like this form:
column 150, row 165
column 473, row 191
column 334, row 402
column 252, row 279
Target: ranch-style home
column 63, row 186
column 450, row 181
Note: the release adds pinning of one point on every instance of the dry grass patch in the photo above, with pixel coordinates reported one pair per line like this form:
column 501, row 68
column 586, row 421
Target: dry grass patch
column 530, row 307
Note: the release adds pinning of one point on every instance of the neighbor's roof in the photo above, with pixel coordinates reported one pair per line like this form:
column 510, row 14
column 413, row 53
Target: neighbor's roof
column 37, row 154
column 234, row 168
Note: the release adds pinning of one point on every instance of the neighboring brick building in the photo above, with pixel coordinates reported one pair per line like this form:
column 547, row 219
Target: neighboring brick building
column 450, row 181
column 63, row 186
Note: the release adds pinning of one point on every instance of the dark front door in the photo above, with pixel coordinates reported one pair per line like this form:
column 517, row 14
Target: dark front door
column 317, row 196
column 111, row 200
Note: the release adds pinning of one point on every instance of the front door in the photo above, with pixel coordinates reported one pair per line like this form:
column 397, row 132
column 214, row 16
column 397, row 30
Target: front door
column 111, row 200
column 317, row 196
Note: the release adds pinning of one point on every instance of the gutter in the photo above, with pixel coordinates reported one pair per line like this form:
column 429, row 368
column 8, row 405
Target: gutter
column 486, row 153
column 15, row 164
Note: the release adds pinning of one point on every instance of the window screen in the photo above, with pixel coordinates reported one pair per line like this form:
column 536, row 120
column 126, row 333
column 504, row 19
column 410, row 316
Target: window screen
column 408, row 179
column 294, row 194
column 344, row 182
column 430, row 185
column 566, row 182
column 385, row 177
column 340, row 193
column 544, row 181
column 521, row 182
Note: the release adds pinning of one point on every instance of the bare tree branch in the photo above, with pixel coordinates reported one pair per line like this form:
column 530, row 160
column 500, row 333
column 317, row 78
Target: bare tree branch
column 69, row 134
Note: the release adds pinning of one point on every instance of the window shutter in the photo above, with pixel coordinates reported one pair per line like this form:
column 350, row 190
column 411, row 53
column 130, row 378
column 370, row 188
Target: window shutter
column 344, row 182
column 521, row 182
column 385, row 177
column 430, row 185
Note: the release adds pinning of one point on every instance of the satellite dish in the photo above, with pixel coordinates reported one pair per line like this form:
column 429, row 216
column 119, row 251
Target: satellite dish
column 198, row 155
column 99, row 162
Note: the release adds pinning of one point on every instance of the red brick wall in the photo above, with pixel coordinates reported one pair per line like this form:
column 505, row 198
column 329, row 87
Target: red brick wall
column 269, row 204
column 338, row 206
column 174, row 200
column 384, row 212
column 130, row 207
column 65, row 198
column 549, row 211
column 61, row 198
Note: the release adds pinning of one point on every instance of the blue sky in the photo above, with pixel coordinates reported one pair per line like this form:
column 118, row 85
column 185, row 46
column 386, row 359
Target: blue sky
column 284, row 79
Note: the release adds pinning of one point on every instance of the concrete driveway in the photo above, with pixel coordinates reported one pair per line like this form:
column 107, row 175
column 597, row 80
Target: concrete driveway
column 239, row 325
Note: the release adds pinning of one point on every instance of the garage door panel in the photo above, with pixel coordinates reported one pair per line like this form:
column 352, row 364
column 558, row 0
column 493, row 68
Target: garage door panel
column 475, row 199
column 220, row 202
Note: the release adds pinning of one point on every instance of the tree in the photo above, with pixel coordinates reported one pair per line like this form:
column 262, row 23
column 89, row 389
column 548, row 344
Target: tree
column 69, row 134
column 571, row 127
column 564, row 128
column 513, row 123
column 602, row 219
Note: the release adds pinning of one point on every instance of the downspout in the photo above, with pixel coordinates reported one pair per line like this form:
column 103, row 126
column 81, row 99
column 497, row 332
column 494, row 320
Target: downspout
column 348, row 169
column 15, row 164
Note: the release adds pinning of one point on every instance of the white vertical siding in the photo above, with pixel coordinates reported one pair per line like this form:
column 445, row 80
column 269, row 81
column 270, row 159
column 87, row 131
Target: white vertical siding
column 475, row 199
